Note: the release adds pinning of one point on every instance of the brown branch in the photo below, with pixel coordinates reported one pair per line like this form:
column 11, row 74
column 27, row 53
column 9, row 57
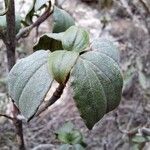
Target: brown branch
column 6, row 116
column 10, row 42
column 40, row 20
column 56, row 95
column 10, row 35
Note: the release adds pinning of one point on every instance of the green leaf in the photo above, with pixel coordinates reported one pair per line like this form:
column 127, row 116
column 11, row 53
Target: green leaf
column 49, row 41
column 78, row 147
column 29, row 82
column 65, row 147
column 106, row 47
column 73, row 137
column 76, row 137
column 67, row 127
column 138, row 139
column 39, row 4
column 75, row 39
column 62, row 20
column 60, row 63
column 97, row 85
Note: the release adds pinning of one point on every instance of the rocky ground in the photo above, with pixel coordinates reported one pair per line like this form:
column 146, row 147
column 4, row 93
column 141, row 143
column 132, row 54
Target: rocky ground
column 129, row 27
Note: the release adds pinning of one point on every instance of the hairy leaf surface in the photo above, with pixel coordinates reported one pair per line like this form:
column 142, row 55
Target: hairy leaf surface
column 97, row 84
column 75, row 39
column 29, row 82
column 106, row 47
column 62, row 20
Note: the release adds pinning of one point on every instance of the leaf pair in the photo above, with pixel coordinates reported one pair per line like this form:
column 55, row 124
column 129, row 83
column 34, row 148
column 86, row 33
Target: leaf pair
column 95, row 79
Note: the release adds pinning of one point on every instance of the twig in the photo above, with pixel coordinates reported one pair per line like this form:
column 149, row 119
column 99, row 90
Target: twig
column 40, row 20
column 10, row 42
column 6, row 116
column 56, row 95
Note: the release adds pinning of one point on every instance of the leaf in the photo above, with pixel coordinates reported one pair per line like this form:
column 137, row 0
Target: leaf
column 76, row 137
column 68, row 135
column 78, row 147
column 39, row 4
column 73, row 137
column 60, row 63
column 106, row 47
column 49, row 41
column 29, row 82
column 62, row 20
column 138, row 139
column 75, row 39
column 65, row 147
column 67, row 127
column 97, row 84
column 135, row 147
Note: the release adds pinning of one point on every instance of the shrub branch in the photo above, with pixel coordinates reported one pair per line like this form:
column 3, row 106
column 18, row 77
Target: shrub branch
column 56, row 95
column 41, row 19
column 10, row 42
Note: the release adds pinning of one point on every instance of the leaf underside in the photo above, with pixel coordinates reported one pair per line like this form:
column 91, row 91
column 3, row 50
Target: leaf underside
column 97, row 84
column 29, row 82
column 53, row 41
column 49, row 41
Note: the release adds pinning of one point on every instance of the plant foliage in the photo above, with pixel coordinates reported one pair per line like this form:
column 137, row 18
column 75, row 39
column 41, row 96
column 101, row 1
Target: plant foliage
column 93, row 73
